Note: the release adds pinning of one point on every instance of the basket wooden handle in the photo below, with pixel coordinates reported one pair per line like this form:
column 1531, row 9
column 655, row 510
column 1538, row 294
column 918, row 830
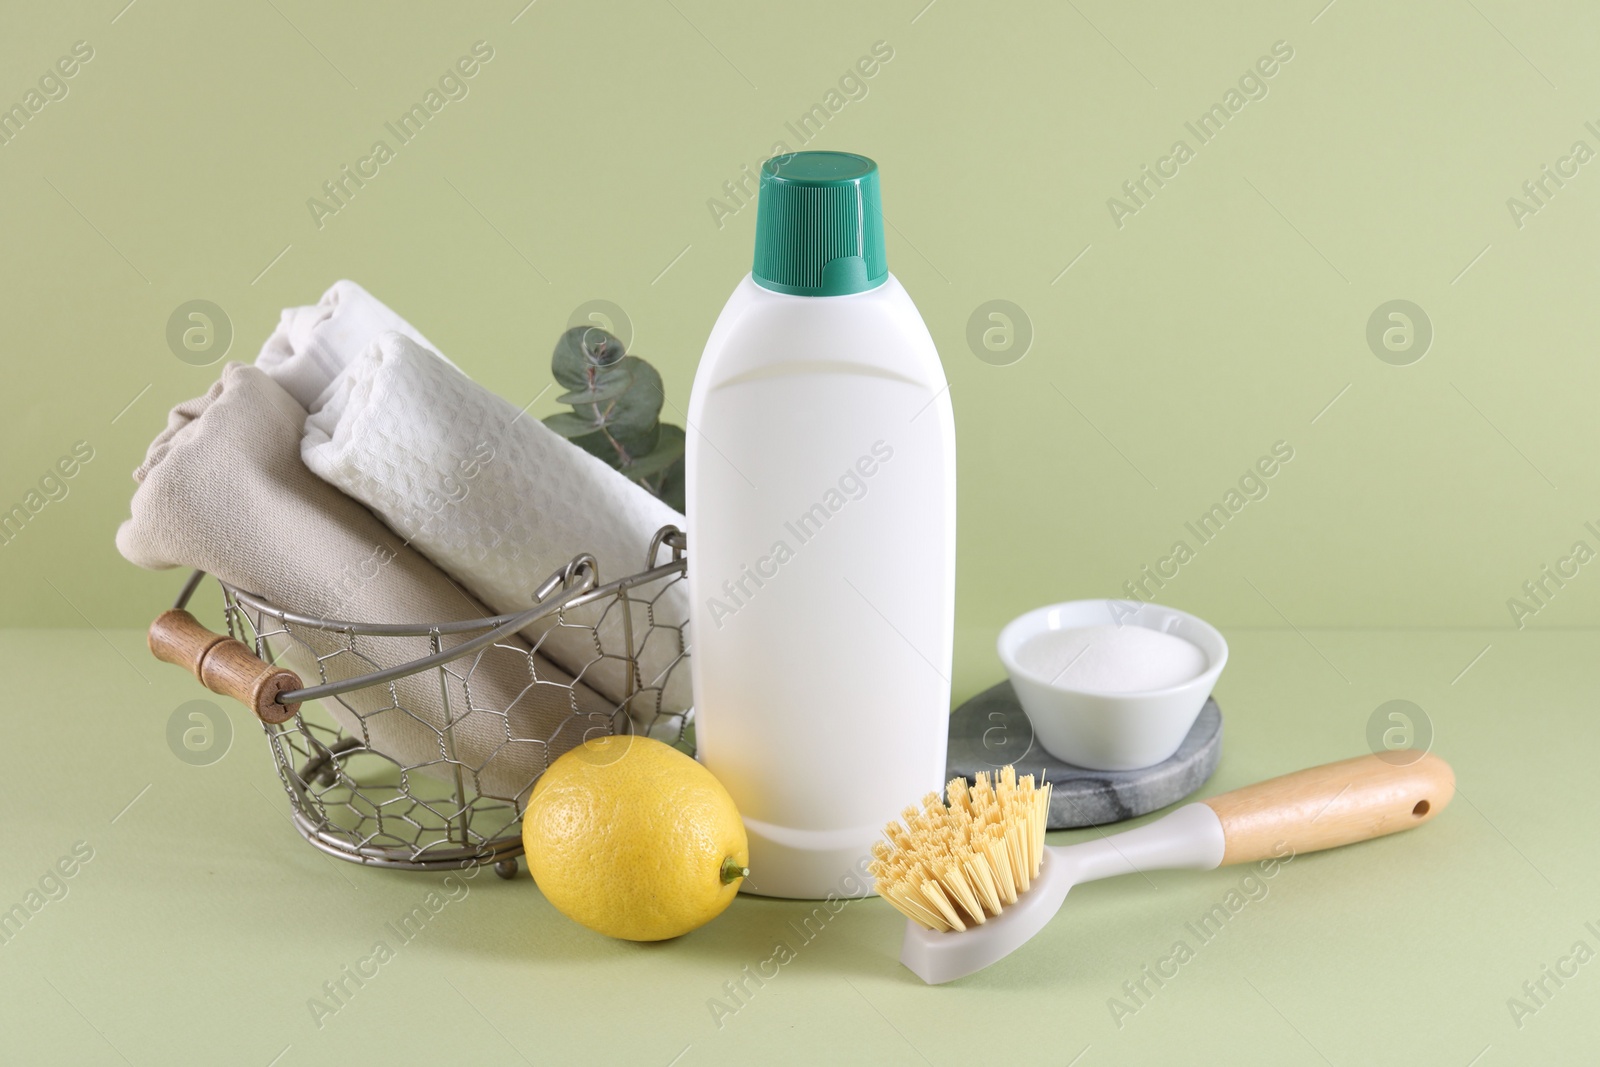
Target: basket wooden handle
column 1335, row 804
column 223, row 665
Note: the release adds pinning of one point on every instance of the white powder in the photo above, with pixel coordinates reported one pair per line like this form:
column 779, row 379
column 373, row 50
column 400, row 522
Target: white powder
column 1111, row 659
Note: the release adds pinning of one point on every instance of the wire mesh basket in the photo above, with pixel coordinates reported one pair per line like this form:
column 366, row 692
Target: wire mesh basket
column 456, row 795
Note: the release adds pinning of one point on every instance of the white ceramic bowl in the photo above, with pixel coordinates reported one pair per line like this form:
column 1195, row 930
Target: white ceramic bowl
column 1111, row 731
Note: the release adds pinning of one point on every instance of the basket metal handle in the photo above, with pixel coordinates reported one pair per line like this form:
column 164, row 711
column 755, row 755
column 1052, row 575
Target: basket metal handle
column 224, row 665
column 227, row 666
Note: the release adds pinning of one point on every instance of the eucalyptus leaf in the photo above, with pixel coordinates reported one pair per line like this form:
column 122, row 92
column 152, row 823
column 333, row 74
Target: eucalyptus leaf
column 610, row 445
column 599, row 445
column 639, row 405
column 671, row 486
column 608, row 386
column 668, row 450
column 636, row 441
column 570, row 425
column 582, row 354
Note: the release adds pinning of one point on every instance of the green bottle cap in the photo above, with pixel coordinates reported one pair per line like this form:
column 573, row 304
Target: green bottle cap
column 819, row 225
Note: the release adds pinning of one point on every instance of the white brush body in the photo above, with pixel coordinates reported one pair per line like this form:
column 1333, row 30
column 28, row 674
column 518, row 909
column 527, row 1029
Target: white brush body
column 1190, row 837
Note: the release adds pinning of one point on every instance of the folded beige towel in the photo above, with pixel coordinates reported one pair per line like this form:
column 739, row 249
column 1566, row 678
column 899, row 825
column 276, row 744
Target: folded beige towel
column 224, row 489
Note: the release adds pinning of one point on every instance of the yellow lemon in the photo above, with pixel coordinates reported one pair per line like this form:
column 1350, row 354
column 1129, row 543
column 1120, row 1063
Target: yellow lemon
column 632, row 838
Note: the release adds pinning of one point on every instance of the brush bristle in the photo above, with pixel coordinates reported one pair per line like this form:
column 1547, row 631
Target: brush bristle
column 950, row 866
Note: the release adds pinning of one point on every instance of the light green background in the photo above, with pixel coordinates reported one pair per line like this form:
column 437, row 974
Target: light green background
column 1228, row 314
column 1221, row 318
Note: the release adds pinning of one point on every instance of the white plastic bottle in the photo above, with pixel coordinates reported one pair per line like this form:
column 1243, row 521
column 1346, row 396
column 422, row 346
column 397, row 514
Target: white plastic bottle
column 822, row 521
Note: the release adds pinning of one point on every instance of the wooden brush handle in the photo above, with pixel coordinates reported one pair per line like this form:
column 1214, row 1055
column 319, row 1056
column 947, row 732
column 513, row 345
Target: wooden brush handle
column 223, row 665
column 1335, row 804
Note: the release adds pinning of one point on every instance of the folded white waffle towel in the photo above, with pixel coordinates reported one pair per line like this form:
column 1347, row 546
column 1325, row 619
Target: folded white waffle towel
column 313, row 344
column 499, row 501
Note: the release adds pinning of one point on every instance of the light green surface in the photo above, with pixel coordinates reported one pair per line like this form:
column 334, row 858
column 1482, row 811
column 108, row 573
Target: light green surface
column 204, row 924
column 1219, row 319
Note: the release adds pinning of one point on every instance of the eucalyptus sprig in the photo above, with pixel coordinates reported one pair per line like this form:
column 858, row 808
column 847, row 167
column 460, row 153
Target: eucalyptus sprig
column 616, row 411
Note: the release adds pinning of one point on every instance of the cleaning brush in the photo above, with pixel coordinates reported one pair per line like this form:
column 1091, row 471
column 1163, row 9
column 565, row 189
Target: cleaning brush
column 946, row 867
column 976, row 879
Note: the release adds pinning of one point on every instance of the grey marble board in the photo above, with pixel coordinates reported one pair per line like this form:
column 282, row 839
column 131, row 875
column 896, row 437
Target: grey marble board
column 991, row 730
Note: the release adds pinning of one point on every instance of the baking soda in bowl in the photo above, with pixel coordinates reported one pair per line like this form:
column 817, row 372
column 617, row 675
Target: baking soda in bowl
column 1111, row 659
